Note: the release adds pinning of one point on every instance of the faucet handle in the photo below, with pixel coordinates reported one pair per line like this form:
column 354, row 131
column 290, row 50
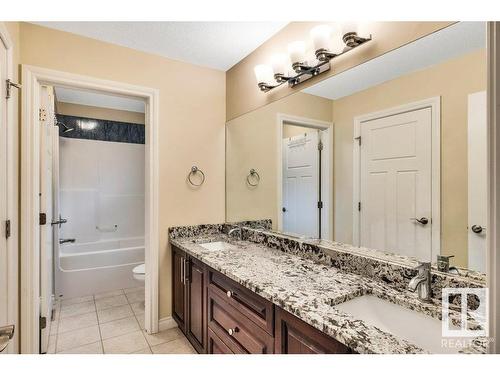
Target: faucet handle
column 424, row 266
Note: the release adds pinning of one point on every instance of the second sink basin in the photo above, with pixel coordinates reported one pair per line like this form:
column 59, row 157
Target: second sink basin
column 218, row 246
column 414, row 327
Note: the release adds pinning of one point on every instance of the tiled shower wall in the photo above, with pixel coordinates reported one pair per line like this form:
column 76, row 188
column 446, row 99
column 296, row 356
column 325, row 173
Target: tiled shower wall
column 101, row 187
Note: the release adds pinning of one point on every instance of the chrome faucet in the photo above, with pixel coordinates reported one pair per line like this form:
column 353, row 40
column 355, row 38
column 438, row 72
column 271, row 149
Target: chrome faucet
column 237, row 229
column 66, row 240
column 443, row 264
column 422, row 282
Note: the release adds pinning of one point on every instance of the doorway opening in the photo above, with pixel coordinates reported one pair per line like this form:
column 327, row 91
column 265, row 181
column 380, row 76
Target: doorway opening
column 90, row 148
column 304, row 177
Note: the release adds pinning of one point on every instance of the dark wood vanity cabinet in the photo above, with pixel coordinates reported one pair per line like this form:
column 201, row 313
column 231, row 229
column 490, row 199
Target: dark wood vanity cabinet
column 220, row 316
column 189, row 298
column 294, row 336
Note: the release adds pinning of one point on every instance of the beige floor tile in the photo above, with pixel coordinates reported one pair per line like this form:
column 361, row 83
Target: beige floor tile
column 106, row 303
column 111, row 293
column 164, row 336
column 72, row 301
column 77, row 321
column 94, row 348
column 138, row 308
column 178, row 346
column 119, row 327
column 76, row 338
column 143, row 351
column 114, row 313
column 135, row 297
column 134, row 290
column 129, row 343
column 77, row 309
column 140, row 319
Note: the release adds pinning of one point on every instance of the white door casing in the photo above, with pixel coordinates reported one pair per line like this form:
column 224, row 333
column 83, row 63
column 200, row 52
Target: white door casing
column 47, row 130
column 301, row 184
column 477, row 180
column 396, row 180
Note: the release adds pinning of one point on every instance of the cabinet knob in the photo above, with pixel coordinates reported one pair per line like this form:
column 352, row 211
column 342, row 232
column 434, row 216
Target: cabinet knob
column 232, row 331
column 229, row 293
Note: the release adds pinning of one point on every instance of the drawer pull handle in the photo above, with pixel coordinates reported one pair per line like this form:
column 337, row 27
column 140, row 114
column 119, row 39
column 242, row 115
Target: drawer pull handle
column 232, row 331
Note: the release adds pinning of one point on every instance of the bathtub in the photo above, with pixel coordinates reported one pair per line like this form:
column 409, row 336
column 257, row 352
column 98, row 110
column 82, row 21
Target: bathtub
column 95, row 267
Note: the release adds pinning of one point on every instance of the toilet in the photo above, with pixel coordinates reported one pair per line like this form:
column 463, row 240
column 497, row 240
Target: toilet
column 139, row 272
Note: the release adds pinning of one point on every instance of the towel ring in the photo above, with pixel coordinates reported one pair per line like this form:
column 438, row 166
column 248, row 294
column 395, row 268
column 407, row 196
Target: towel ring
column 253, row 173
column 194, row 170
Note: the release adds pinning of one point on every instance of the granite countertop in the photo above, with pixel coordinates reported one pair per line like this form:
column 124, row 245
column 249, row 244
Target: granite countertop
column 310, row 291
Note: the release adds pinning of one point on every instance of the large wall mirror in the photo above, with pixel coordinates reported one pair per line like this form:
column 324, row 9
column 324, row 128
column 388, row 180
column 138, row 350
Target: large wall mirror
column 390, row 155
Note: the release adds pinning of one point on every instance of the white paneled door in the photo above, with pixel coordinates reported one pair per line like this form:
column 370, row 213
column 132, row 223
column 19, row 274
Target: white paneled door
column 477, row 176
column 47, row 129
column 301, row 184
column 395, row 184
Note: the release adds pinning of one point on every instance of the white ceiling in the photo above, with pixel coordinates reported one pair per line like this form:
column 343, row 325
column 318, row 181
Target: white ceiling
column 448, row 43
column 217, row 45
column 89, row 98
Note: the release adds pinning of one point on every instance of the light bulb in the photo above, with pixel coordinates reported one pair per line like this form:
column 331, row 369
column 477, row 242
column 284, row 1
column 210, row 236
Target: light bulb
column 280, row 63
column 337, row 44
column 349, row 27
column 263, row 73
column 297, row 52
column 321, row 37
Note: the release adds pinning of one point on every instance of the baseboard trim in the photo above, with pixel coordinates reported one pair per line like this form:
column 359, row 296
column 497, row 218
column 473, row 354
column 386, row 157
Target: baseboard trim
column 166, row 323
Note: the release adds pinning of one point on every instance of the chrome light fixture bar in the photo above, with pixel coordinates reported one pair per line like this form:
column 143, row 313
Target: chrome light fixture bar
column 325, row 49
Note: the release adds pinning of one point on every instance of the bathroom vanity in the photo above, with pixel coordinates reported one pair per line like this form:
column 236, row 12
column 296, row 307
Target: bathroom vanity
column 269, row 293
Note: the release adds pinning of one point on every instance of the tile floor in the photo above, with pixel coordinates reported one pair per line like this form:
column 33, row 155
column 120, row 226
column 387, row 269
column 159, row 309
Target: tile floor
column 110, row 323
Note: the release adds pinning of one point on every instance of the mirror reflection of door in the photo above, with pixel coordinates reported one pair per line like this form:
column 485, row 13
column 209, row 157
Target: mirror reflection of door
column 395, row 209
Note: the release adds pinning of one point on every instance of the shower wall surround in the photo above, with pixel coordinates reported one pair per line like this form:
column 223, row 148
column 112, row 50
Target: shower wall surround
column 101, row 180
column 102, row 130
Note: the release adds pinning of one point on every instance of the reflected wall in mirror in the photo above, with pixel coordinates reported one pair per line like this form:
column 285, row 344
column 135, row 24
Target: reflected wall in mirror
column 389, row 155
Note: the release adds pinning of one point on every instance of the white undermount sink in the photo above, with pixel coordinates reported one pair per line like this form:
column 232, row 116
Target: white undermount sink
column 416, row 328
column 218, row 246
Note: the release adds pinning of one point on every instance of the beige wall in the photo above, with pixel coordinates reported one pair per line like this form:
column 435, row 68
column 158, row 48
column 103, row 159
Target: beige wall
column 453, row 80
column 243, row 94
column 251, row 142
column 191, row 130
column 109, row 114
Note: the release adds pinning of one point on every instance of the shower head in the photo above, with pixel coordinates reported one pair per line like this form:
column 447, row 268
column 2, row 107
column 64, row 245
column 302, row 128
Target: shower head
column 66, row 129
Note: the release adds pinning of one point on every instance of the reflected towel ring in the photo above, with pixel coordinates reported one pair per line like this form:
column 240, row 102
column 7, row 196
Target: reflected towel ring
column 253, row 173
column 194, row 170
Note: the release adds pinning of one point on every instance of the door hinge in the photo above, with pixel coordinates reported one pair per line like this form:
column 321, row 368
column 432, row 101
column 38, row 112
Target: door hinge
column 42, row 114
column 43, row 322
column 320, row 145
column 7, row 228
column 359, row 206
column 320, row 204
column 8, row 88
column 358, row 139
column 43, row 218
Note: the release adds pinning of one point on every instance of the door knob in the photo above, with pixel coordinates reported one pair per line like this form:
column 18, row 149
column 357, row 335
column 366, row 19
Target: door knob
column 6, row 334
column 477, row 229
column 422, row 220
column 283, row 209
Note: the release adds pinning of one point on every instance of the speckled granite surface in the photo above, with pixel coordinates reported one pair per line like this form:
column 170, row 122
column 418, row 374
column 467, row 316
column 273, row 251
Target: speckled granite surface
column 308, row 289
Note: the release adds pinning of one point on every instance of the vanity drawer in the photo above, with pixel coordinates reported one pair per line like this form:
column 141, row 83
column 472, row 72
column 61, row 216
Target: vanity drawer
column 216, row 345
column 257, row 309
column 235, row 330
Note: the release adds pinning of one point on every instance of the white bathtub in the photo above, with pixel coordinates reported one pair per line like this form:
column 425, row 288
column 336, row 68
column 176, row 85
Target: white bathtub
column 90, row 268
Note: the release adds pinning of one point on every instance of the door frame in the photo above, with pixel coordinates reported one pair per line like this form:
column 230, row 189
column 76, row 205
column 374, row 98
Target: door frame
column 434, row 104
column 283, row 119
column 33, row 77
column 12, row 205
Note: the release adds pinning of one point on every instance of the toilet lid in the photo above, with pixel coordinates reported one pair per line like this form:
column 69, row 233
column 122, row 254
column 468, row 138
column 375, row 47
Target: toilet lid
column 141, row 269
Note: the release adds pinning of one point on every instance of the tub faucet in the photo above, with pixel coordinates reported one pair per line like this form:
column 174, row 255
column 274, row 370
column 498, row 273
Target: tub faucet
column 66, row 240
column 237, row 229
column 422, row 282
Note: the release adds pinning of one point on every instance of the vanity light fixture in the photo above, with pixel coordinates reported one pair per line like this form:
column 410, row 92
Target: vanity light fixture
column 325, row 47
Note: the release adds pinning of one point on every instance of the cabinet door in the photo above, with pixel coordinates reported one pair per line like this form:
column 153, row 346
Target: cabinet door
column 293, row 336
column 196, row 326
column 178, row 290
